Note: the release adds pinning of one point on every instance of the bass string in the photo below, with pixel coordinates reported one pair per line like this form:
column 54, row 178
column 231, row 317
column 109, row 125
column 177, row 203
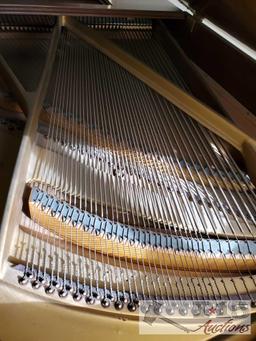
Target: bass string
column 124, row 187
column 213, row 189
column 192, row 146
column 99, row 122
column 62, row 109
column 220, row 160
column 242, row 256
column 128, row 276
column 145, row 200
column 157, row 137
column 83, row 193
column 48, row 176
column 35, row 227
column 105, row 119
column 135, row 120
column 133, row 139
column 93, row 164
column 56, row 148
column 142, row 141
column 110, row 108
column 67, row 162
column 242, row 202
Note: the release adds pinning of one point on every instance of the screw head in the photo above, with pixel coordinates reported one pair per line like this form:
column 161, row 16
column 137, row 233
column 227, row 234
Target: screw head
column 170, row 310
column 105, row 303
column 131, row 306
column 119, row 305
column 196, row 310
column 77, row 296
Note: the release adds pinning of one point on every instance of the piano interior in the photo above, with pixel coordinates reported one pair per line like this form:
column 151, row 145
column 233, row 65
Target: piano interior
column 120, row 194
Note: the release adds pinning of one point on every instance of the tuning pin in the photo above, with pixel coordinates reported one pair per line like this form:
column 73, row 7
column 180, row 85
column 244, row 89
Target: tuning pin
column 131, row 306
column 119, row 305
column 105, row 302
